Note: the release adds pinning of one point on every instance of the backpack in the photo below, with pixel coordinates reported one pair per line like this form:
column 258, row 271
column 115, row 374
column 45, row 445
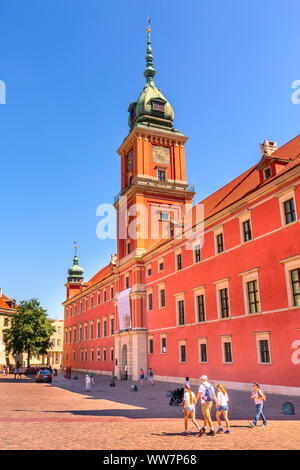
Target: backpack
column 208, row 395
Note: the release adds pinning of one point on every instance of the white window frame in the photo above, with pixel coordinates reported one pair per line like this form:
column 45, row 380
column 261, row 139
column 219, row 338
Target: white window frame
column 264, row 172
column 222, row 284
column 163, row 336
column 176, row 253
column 111, row 317
column 199, row 291
column 226, row 339
column 149, row 292
column 248, row 276
column 262, row 336
column 202, row 341
column 195, row 244
column 178, row 297
column 289, row 265
column 182, row 342
column 282, row 198
column 150, row 338
column 244, row 218
column 161, row 287
column 217, row 231
column 159, row 261
column 148, row 266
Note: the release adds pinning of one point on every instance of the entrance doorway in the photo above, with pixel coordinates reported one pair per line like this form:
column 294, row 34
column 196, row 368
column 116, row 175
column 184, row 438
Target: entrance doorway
column 124, row 365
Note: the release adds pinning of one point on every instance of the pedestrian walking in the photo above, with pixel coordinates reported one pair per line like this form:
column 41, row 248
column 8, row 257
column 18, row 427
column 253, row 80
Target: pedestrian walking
column 222, row 408
column 259, row 398
column 142, row 376
column 88, row 382
column 187, row 381
column 15, row 372
column 91, row 374
column 151, row 375
column 207, row 395
column 189, row 409
column 20, row 372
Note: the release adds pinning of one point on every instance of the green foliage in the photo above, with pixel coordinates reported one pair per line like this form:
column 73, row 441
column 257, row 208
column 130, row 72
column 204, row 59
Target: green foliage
column 30, row 330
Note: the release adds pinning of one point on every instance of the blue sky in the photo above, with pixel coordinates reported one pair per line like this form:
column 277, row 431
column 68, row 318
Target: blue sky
column 71, row 68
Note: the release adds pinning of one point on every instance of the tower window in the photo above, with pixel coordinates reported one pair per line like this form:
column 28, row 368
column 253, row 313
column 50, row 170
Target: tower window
column 157, row 106
column 161, row 174
column 163, row 216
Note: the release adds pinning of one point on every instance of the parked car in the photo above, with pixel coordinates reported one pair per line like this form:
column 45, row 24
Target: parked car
column 44, row 376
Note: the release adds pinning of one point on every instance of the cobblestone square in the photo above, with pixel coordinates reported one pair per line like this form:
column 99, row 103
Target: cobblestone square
column 62, row 416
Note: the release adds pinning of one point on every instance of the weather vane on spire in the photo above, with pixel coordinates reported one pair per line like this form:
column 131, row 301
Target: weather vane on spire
column 150, row 71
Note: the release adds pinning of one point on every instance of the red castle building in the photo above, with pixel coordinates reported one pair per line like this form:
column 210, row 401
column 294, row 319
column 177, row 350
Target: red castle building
column 221, row 298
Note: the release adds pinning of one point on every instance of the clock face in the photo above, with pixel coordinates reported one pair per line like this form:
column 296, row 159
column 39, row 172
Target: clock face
column 160, row 154
column 130, row 161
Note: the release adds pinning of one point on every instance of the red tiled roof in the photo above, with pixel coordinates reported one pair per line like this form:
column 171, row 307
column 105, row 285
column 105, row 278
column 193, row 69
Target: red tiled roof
column 290, row 150
column 4, row 304
column 102, row 274
column 246, row 183
column 250, row 180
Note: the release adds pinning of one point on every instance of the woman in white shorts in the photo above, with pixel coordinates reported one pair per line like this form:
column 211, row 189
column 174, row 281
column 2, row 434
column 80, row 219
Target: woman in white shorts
column 222, row 407
column 189, row 408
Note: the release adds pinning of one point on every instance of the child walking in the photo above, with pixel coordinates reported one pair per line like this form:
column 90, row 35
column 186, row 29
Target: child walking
column 189, row 409
column 222, row 407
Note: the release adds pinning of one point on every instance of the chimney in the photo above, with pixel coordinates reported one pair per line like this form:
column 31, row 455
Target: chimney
column 267, row 148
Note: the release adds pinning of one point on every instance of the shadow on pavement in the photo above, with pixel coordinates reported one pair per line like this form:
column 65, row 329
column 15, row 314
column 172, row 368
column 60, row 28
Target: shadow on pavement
column 152, row 401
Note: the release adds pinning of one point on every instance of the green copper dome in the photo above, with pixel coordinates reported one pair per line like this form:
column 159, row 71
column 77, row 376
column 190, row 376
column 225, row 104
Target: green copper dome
column 75, row 272
column 152, row 108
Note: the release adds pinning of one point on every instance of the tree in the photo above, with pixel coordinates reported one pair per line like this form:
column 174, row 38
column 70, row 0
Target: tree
column 30, row 331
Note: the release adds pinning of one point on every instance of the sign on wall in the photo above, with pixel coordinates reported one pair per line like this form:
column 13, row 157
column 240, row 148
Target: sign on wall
column 124, row 309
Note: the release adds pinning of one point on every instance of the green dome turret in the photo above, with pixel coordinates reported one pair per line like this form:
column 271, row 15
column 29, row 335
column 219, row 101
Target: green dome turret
column 75, row 272
column 152, row 108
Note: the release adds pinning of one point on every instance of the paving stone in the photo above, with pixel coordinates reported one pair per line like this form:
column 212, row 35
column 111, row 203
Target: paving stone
column 63, row 416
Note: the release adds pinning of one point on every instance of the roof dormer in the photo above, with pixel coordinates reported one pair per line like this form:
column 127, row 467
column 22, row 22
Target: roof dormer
column 269, row 165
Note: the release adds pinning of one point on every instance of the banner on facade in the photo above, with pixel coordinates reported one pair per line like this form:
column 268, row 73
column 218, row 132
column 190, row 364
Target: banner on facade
column 124, row 309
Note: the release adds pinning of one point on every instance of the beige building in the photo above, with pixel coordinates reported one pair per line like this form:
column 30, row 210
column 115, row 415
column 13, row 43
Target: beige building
column 7, row 308
column 54, row 356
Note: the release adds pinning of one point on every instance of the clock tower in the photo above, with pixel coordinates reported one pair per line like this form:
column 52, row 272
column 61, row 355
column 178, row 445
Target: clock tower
column 154, row 190
column 150, row 208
